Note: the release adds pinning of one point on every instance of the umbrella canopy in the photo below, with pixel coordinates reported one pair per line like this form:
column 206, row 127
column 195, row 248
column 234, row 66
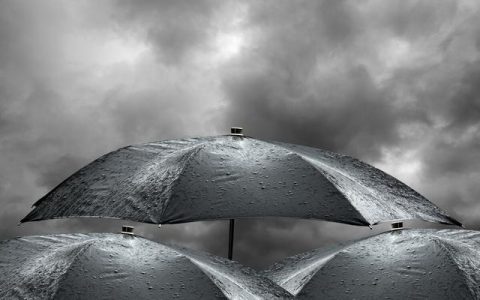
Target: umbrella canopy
column 228, row 177
column 116, row 266
column 403, row 264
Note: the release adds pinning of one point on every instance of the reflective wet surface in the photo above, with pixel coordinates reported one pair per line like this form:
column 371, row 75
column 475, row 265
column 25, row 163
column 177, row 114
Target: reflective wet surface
column 116, row 266
column 403, row 264
column 233, row 177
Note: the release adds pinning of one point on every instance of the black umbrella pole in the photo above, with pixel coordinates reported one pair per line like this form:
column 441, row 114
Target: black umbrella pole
column 230, row 238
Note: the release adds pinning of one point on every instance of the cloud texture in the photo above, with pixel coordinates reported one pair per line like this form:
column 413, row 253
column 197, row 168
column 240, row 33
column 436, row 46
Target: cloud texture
column 396, row 84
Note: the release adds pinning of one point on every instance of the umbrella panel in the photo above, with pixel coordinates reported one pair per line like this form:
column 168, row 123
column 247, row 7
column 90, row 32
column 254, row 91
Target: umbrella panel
column 404, row 264
column 113, row 266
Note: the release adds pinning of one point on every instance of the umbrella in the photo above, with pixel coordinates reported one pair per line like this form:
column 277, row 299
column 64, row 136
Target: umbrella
column 231, row 176
column 402, row 264
column 118, row 266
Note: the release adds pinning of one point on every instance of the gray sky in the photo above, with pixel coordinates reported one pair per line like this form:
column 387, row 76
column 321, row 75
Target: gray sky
column 394, row 83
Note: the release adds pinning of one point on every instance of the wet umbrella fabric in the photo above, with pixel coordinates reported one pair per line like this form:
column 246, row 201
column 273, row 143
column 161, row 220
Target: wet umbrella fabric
column 116, row 266
column 228, row 177
column 404, row 264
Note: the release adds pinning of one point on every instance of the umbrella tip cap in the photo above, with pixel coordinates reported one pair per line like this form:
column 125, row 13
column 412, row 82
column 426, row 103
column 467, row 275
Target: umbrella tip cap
column 238, row 131
column 397, row 225
column 127, row 229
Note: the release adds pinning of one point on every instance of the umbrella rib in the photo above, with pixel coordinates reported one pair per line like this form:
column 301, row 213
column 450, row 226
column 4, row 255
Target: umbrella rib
column 369, row 190
column 312, row 162
column 446, row 245
column 400, row 208
column 79, row 246
column 191, row 152
column 213, row 272
column 319, row 263
column 87, row 244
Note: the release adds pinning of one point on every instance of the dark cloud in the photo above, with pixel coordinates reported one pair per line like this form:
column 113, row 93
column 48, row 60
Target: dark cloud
column 395, row 84
column 464, row 105
column 174, row 28
column 51, row 174
column 357, row 118
column 309, row 82
column 416, row 19
column 315, row 78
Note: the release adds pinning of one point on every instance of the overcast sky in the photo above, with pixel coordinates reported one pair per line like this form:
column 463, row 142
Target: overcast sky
column 394, row 83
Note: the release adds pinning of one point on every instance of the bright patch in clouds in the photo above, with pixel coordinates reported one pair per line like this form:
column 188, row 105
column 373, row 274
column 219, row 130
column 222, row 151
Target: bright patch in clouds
column 406, row 167
column 395, row 53
column 120, row 50
column 102, row 49
column 228, row 45
column 230, row 34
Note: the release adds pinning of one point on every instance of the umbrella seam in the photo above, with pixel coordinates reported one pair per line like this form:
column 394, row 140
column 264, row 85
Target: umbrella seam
column 152, row 219
column 211, row 271
column 199, row 256
column 84, row 245
column 340, row 191
column 318, row 264
column 443, row 242
column 304, row 158
column 192, row 152
column 441, row 215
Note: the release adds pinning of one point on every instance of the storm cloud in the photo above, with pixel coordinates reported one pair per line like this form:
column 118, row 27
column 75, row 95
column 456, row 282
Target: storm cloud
column 396, row 84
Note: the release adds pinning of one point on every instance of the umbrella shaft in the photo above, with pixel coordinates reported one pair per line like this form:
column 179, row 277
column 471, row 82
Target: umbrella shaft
column 230, row 238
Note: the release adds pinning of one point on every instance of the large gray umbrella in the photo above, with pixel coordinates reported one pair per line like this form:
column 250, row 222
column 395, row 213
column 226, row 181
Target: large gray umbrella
column 116, row 266
column 403, row 264
column 227, row 177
